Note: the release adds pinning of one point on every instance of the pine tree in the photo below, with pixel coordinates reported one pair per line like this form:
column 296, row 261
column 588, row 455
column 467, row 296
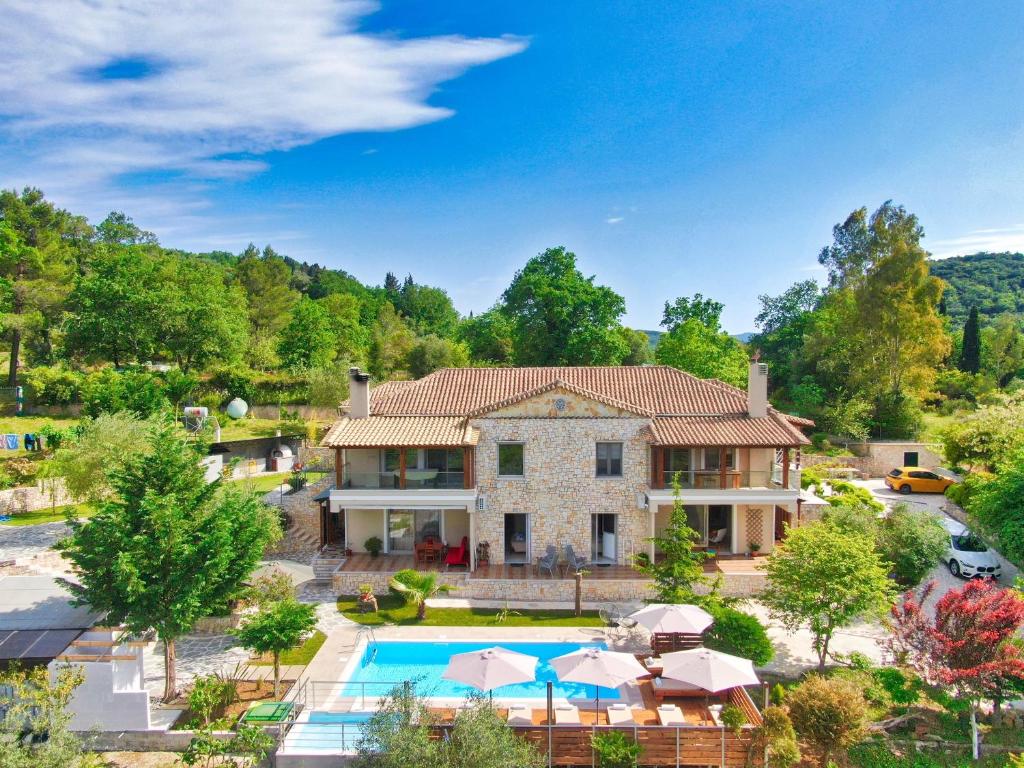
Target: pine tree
column 970, row 353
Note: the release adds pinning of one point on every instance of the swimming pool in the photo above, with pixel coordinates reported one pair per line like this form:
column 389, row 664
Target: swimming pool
column 388, row 662
column 326, row 732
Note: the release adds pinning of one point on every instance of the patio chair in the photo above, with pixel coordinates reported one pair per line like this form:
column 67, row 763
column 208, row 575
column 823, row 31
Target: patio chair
column 575, row 563
column 459, row 555
column 520, row 714
column 620, row 714
column 670, row 714
column 548, row 561
column 567, row 714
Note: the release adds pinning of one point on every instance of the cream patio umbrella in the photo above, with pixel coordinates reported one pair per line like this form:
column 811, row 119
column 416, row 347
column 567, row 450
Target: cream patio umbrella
column 491, row 668
column 713, row 671
column 597, row 667
column 669, row 617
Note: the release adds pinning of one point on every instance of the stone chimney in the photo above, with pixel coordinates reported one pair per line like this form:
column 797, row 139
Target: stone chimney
column 358, row 394
column 757, row 388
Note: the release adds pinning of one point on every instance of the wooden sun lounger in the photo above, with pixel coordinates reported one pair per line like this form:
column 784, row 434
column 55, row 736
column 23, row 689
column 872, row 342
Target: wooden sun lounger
column 620, row 714
column 669, row 714
column 567, row 715
column 520, row 714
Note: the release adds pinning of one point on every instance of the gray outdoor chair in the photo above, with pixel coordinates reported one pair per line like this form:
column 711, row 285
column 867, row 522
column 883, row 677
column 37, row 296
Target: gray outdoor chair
column 548, row 561
column 575, row 563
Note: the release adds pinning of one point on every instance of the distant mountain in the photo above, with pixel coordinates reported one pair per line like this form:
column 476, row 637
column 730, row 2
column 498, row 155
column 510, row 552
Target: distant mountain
column 994, row 282
column 744, row 337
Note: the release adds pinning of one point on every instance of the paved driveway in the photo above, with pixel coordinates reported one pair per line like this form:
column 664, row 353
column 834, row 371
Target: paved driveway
column 939, row 504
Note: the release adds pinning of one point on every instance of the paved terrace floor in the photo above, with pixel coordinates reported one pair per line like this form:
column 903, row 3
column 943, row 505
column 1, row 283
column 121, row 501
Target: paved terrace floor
column 363, row 563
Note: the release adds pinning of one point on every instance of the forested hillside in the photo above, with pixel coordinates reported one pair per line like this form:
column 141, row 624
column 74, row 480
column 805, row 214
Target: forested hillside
column 992, row 282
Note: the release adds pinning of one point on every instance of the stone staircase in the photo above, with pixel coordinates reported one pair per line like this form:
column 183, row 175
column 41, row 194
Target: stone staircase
column 325, row 563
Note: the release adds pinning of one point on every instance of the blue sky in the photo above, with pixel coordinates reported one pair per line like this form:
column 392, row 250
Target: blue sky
column 675, row 147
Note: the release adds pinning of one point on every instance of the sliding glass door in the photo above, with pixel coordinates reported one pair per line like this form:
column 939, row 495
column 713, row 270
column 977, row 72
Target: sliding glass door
column 408, row 527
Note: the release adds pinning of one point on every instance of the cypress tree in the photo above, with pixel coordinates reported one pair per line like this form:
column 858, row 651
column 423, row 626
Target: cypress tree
column 970, row 352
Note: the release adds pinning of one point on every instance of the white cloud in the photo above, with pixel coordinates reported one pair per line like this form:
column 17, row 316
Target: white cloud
column 615, row 219
column 995, row 240
column 227, row 81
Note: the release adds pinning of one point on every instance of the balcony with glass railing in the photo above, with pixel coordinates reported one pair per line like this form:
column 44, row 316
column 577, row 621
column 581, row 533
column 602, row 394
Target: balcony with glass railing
column 731, row 479
column 415, row 479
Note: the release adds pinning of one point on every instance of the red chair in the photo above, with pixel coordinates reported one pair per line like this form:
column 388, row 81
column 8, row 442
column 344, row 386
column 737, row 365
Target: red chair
column 459, row 555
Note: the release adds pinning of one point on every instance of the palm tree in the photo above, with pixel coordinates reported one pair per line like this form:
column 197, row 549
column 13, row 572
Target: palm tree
column 418, row 587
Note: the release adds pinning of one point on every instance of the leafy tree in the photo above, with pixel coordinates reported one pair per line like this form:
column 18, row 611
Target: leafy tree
column 100, row 446
column 134, row 391
column 913, row 540
column 738, row 633
column 992, row 282
column 823, row 578
column 179, row 387
column 397, row 735
column 828, row 713
column 681, row 567
column 970, row 350
column 777, row 737
column 352, row 339
column 998, row 506
column 560, row 317
column 119, row 229
column 266, row 280
column 278, row 627
column 488, row 336
column 428, row 310
column 40, row 245
column 328, row 386
column 707, row 312
column 481, row 739
column 391, row 341
column 989, row 437
column 309, row 340
column 639, row 345
column 783, row 322
column 966, row 644
column 203, row 317
column 418, row 587
column 704, row 352
column 31, row 703
column 117, row 306
column 1003, row 349
column 430, row 353
column 167, row 548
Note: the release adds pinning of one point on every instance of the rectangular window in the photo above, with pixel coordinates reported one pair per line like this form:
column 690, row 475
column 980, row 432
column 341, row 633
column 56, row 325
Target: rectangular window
column 677, row 460
column 609, row 459
column 511, row 459
column 711, row 459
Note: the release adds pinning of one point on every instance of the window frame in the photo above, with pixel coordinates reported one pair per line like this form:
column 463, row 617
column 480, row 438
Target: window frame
column 598, row 462
column 522, row 446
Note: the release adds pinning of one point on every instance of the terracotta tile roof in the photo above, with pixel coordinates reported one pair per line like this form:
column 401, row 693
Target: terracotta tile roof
column 657, row 389
column 559, row 384
column 383, row 431
column 799, row 421
column 686, row 410
column 727, row 430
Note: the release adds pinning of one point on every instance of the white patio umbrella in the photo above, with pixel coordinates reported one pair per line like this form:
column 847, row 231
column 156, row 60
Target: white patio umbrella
column 491, row 668
column 713, row 671
column 597, row 667
column 668, row 617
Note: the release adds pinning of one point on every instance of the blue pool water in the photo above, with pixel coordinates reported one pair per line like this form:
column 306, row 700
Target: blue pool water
column 387, row 663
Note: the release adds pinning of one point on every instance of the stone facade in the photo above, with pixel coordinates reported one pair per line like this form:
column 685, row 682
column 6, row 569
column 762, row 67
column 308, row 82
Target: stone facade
column 559, row 488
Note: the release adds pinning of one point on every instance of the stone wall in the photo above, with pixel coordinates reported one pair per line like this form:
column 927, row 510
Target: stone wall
column 29, row 498
column 559, row 489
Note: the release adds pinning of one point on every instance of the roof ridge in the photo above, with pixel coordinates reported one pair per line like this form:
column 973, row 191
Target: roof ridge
column 559, row 383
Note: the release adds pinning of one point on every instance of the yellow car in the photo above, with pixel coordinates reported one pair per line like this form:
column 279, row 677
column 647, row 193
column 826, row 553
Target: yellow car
column 917, row 480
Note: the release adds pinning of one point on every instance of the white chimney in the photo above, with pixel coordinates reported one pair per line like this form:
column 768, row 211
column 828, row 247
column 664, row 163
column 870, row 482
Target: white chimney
column 358, row 394
column 757, row 389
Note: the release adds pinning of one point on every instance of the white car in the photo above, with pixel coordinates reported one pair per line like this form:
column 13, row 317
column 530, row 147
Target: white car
column 967, row 555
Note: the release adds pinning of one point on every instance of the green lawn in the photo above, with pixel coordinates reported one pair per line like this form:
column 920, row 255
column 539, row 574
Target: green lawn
column 934, row 423
column 49, row 515
column 393, row 610
column 19, row 425
column 242, row 429
column 301, row 655
column 262, row 483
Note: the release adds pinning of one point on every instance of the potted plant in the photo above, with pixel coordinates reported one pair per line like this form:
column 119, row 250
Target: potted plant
column 367, row 601
column 483, row 553
column 754, row 547
column 348, row 551
column 373, row 545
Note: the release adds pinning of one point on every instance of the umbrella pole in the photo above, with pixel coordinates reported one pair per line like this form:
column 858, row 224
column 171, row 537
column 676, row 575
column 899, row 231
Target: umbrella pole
column 551, row 716
column 597, row 702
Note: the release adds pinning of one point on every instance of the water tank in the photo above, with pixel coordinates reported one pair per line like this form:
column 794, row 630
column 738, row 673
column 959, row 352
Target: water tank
column 237, row 408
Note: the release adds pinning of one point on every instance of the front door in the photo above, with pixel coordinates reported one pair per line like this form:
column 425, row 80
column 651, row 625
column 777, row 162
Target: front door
column 910, row 458
column 604, row 543
column 517, row 538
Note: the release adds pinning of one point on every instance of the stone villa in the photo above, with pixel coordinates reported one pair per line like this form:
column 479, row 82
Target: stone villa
column 514, row 460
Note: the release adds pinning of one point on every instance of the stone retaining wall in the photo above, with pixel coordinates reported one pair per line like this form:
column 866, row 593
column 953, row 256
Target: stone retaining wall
column 554, row 590
column 30, row 498
column 150, row 741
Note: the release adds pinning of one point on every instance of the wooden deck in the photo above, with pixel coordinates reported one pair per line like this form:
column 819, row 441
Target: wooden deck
column 363, row 563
